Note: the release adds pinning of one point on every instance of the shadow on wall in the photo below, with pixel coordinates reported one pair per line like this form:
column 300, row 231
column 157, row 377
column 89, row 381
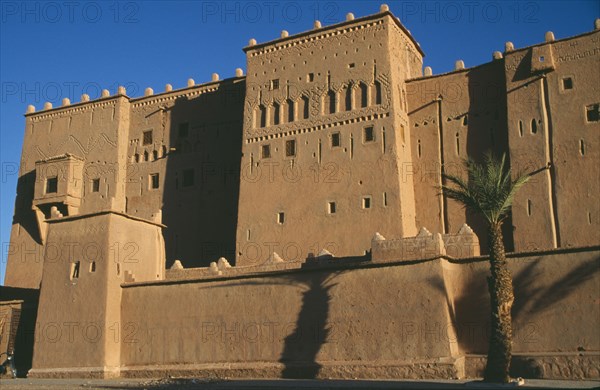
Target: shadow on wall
column 532, row 297
column 24, row 214
column 202, row 178
column 486, row 132
column 301, row 347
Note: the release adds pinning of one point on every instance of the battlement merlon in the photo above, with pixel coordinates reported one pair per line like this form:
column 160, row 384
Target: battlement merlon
column 319, row 32
column 149, row 95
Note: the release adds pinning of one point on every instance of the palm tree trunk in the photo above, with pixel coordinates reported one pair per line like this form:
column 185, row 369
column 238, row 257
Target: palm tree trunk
column 501, row 301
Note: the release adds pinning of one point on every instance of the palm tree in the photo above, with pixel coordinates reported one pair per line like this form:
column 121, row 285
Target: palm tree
column 490, row 191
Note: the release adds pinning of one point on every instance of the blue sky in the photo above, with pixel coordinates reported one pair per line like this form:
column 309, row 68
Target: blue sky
column 56, row 49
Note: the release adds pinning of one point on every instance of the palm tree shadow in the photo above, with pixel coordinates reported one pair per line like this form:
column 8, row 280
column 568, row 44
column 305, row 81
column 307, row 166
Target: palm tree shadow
column 302, row 346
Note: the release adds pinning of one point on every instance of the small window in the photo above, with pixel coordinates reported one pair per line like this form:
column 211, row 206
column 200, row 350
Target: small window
column 336, row 140
column 310, row 77
column 266, row 151
column 93, row 266
column 51, row 185
column 369, row 134
column 154, row 184
column 75, row 270
column 352, row 65
column 331, row 207
column 188, row 178
column 96, row 185
column 593, row 113
column 280, row 218
column 290, row 148
column 465, row 120
column 274, row 84
column 366, row 202
column 184, row 130
column 533, row 126
column 542, row 59
column 567, row 83
column 147, row 139
column 385, row 202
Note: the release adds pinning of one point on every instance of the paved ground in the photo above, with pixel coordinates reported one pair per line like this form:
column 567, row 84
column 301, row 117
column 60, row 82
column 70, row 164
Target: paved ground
column 172, row 384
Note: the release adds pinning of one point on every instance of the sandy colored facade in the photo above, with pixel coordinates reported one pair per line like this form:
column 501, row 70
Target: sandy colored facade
column 130, row 210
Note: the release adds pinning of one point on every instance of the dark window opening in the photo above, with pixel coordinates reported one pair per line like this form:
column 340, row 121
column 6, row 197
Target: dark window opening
column 520, row 128
column 465, row 120
column 533, row 126
column 184, row 130
column 305, row 107
column 154, row 183
column 310, row 77
column 263, row 115
column 75, row 270
column 331, row 207
column 377, row 92
column 331, row 104
column 593, row 113
column 276, row 113
column 51, row 185
column 96, row 185
column 567, row 83
column 352, row 65
column 266, row 151
column 274, row 84
column 290, row 110
column 280, row 218
column 188, row 178
column 336, row 140
column 290, row 148
column 93, row 266
column 369, row 134
column 363, row 95
column 366, row 203
column 147, row 139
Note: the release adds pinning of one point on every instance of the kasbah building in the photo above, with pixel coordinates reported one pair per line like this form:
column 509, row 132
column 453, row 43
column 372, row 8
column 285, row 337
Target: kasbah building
column 287, row 222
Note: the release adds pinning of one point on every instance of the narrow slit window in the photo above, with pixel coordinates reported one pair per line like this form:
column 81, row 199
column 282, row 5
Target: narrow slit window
column 581, row 147
column 290, row 148
column 290, row 110
column 520, row 128
column 331, row 207
column 266, row 151
column 465, row 120
column 336, row 140
column 457, row 144
column 93, row 266
column 280, row 218
column 147, row 138
column 96, row 185
column 310, row 77
column 276, row 113
column 75, row 270
column 385, row 202
column 419, row 148
column 529, row 205
column 51, row 185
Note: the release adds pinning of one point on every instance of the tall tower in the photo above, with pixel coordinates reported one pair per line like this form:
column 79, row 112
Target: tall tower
column 325, row 138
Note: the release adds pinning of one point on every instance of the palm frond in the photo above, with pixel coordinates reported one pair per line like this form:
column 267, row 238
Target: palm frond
column 488, row 190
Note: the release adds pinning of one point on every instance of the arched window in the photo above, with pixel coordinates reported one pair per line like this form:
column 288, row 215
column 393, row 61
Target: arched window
column 330, row 103
column 276, row 113
column 363, row 89
column 304, row 108
column 262, row 112
column 377, row 92
column 348, row 97
column 290, row 110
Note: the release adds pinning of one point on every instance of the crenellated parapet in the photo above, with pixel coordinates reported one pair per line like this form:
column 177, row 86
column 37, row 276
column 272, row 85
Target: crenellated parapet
column 425, row 245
